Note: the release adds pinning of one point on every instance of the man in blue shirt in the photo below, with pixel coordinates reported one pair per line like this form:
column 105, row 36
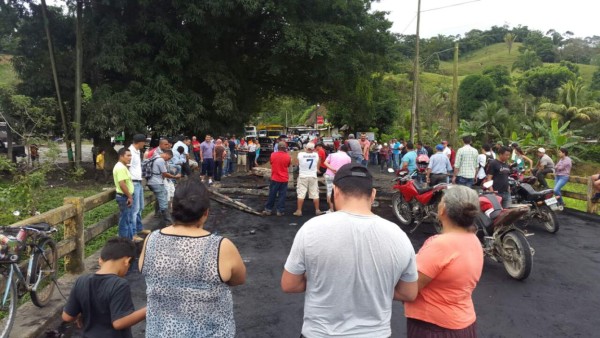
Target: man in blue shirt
column 439, row 167
column 409, row 160
column 396, row 148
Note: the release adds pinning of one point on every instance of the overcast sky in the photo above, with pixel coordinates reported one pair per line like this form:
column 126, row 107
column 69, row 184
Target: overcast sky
column 578, row 16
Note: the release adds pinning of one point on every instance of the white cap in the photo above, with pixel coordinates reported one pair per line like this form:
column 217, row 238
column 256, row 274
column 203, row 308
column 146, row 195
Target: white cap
column 385, row 144
column 542, row 150
column 310, row 145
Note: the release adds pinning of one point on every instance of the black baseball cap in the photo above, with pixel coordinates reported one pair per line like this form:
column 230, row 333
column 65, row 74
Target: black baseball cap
column 139, row 138
column 352, row 170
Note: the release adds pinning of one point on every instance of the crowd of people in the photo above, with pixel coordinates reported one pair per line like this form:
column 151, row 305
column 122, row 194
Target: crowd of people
column 350, row 263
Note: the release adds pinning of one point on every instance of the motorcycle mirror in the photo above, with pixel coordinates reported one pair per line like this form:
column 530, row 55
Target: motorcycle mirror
column 488, row 184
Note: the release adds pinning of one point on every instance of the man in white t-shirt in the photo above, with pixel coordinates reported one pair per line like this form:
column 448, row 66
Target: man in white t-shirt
column 308, row 164
column 135, row 170
column 350, row 264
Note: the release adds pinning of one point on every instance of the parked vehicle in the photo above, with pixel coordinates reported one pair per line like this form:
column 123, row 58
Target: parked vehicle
column 501, row 240
column 415, row 204
column 17, row 150
column 543, row 203
column 250, row 131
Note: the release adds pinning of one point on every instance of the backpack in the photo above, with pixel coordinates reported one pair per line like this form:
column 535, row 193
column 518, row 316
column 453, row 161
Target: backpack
column 486, row 166
column 147, row 168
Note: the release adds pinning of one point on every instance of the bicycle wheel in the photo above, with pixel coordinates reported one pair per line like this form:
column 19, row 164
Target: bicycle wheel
column 45, row 266
column 8, row 309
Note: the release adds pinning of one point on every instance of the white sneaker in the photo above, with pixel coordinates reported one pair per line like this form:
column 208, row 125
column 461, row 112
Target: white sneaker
column 210, row 181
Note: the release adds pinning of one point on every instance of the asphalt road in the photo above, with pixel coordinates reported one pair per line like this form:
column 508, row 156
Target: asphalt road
column 559, row 299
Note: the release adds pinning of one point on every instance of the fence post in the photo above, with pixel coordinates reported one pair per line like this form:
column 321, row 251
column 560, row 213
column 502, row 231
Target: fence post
column 74, row 229
column 591, row 207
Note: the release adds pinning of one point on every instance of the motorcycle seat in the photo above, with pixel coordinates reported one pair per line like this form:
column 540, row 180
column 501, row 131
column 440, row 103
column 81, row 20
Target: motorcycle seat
column 533, row 194
column 423, row 190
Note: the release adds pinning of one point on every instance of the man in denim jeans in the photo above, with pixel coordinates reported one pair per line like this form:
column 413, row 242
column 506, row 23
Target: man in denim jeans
column 135, row 169
column 156, row 184
column 280, row 161
column 124, row 197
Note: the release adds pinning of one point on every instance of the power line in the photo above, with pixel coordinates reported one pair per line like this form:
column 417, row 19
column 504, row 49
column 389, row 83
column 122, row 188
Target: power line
column 448, row 6
column 410, row 22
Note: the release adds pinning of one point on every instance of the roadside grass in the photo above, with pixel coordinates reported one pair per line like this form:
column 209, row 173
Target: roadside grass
column 571, row 202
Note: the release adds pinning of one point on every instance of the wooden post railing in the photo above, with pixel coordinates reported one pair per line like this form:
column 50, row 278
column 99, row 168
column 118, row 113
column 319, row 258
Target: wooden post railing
column 591, row 207
column 74, row 229
column 72, row 247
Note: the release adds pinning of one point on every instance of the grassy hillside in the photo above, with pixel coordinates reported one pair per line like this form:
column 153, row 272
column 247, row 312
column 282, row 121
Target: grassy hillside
column 475, row 62
column 7, row 74
column 497, row 54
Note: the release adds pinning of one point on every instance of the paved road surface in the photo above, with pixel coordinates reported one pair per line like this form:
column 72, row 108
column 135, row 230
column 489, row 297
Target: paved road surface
column 561, row 297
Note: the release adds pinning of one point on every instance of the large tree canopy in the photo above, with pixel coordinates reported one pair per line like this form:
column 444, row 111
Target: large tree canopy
column 198, row 65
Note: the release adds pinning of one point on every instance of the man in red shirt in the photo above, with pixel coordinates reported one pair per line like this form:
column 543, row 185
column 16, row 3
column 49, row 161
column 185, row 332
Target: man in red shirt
column 280, row 161
column 322, row 158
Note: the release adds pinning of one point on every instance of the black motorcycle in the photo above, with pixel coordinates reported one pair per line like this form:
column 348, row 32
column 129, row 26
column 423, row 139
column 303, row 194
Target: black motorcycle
column 543, row 203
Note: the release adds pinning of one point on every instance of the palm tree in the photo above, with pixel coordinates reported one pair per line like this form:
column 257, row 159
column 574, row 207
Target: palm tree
column 509, row 39
column 568, row 109
column 492, row 119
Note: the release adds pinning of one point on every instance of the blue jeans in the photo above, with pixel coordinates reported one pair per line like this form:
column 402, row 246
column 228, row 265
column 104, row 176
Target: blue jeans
column 161, row 196
column 137, row 207
column 560, row 182
column 277, row 190
column 207, row 167
column 125, row 226
column 506, row 199
column 218, row 170
column 465, row 181
column 396, row 161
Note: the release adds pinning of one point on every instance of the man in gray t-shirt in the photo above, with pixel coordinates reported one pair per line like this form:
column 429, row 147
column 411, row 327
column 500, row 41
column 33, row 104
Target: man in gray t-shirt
column 545, row 166
column 350, row 263
column 157, row 186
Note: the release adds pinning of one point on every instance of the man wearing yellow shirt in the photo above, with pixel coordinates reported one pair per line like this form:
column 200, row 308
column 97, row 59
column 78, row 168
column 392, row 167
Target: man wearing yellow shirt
column 100, row 165
column 124, row 198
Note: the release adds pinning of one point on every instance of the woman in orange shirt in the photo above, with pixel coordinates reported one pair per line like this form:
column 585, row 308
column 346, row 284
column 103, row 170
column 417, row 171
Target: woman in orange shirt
column 449, row 268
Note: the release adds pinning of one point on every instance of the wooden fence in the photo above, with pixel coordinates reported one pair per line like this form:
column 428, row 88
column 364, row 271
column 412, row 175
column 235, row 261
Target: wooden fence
column 72, row 247
column 587, row 197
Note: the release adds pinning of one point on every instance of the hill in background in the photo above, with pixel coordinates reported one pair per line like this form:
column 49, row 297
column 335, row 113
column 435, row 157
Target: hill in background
column 497, row 54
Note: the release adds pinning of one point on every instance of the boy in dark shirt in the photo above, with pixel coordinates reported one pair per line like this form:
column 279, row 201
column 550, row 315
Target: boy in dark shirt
column 102, row 301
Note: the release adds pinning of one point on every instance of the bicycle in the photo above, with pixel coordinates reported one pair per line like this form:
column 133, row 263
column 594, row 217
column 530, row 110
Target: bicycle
column 40, row 276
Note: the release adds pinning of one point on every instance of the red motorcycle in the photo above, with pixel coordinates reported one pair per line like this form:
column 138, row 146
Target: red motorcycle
column 413, row 203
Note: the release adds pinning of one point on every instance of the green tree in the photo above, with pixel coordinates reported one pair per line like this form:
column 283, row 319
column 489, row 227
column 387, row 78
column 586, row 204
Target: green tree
column 499, row 74
column 595, row 85
column 568, row 108
column 473, row 90
column 544, row 81
column 541, row 45
column 527, row 60
column 509, row 39
column 492, row 119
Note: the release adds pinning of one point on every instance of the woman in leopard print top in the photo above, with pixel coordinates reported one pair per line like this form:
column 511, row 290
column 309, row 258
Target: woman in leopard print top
column 189, row 271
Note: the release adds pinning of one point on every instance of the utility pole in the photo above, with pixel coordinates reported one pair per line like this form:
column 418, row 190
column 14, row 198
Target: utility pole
column 415, row 99
column 454, row 112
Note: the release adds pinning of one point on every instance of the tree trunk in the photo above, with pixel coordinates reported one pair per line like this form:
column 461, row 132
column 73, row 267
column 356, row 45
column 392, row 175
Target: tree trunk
column 56, row 84
column 78, row 71
column 453, row 137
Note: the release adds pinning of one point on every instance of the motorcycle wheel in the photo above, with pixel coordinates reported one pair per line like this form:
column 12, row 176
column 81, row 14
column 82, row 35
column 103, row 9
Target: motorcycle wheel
column 548, row 219
column 516, row 256
column 401, row 209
